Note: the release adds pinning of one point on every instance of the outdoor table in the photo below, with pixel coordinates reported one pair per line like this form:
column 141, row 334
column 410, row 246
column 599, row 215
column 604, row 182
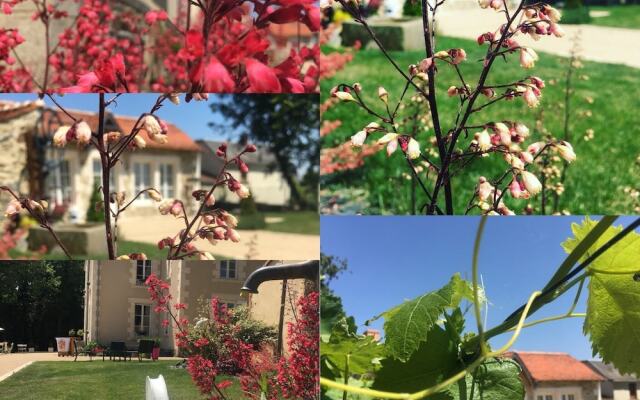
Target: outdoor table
column 22, row 348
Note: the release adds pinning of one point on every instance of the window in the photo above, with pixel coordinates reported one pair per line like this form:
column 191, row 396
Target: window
column 97, row 175
column 633, row 390
column 167, row 181
column 142, row 177
column 548, row 397
column 540, row 398
column 59, row 182
column 228, row 269
column 568, row 397
column 143, row 270
column 141, row 319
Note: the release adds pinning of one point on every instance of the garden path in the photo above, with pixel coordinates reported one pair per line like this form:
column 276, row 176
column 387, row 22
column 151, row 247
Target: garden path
column 11, row 363
column 268, row 245
column 598, row 43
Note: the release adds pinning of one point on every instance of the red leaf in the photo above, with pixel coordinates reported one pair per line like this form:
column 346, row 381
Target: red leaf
column 261, row 77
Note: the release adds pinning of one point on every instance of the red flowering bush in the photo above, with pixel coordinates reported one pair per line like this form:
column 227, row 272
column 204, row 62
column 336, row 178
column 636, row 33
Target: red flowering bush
column 213, row 347
column 210, row 46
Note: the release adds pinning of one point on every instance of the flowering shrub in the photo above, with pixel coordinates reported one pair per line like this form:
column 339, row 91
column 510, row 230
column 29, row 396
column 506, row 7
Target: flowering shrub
column 209, row 222
column 210, row 46
column 430, row 352
column 436, row 159
column 214, row 346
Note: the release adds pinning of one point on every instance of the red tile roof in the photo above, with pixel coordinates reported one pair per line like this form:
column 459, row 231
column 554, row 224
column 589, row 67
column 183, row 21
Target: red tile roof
column 13, row 109
column 554, row 367
column 178, row 140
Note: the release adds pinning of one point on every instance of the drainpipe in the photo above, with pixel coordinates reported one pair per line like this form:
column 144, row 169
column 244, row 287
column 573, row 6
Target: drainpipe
column 304, row 270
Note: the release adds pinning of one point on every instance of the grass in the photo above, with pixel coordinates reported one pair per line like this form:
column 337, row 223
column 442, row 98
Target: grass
column 595, row 181
column 623, row 16
column 301, row 222
column 99, row 380
column 124, row 247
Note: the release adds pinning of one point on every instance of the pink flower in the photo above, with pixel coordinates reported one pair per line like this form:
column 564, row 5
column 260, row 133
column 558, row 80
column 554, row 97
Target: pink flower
column 60, row 136
column 262, row 78
column 13, row 208
column 359, row 138
column 233, row 235
column 155, row 15
column 457, row 55
column 528, row 57
column 217, row 79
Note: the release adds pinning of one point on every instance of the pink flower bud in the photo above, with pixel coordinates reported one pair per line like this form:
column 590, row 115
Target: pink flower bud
column 13, row 208
column 539, row 83
column 243, row 192
column 222, row 150
column 60, row 136
column 484, row 140
column 233, row 235
column 176, row 208
column 250, row 148
column 210, row 200
column 503, row 131
column 82, row 132
column 566, row 151
column 531, row 182
column 488, row 92
column 426, row 64
column 155, row 195
column 528, row 57
column 457, row 55
column 151, row 125
column 358, row 139
column 230, row 220
column 452, row 91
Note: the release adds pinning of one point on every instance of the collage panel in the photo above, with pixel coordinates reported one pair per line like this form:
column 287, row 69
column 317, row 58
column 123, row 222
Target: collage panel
column 90, row 46
column 480, row 308
column 179, row 329
column 502, row 107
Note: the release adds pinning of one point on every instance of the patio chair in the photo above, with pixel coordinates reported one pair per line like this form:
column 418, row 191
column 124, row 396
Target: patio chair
column 79, row 349
column 117, row 349
column 145, row 347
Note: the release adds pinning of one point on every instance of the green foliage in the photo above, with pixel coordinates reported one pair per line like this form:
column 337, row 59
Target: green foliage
column 412, row 8
column 405, row 325
column 93, row 214
column 391, row 37
column 576, row 15
column 434, row 360
column 250, row 217
column 494, row 379
column 331, row 312
column 345, row 344
column 589, row 189
column 286, row 125
column 620, row 16
column 613, row 317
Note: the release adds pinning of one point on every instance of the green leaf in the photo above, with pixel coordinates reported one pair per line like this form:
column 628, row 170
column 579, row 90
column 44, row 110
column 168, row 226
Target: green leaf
column 406, row 325
column 435, row 360
column 623, row 256
column 331, row 312
column 362, row 351
column 613, row 306
column 494, row 379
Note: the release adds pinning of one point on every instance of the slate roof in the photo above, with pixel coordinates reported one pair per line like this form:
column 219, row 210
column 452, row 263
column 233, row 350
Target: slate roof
column 610, row 372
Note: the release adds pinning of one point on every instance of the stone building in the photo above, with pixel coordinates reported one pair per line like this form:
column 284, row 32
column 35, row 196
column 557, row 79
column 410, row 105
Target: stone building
column 67, row 177
column 118, row 306
column 616, row 386
column 557, row 376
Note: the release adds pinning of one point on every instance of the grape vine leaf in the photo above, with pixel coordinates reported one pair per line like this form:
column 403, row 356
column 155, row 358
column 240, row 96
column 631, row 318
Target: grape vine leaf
column 613, row 306
column 406, row 325
column 363, row 352
column 494, row 379
column 435, row 360
column 331, row 312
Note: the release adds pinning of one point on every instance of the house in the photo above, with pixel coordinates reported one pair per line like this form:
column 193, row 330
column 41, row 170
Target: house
column 557, row 376
column 67, row 177
column 118, row 306
column 268, row 186
column 617, row 386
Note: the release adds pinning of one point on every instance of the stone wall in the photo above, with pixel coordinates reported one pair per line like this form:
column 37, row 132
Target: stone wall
column 13, row 148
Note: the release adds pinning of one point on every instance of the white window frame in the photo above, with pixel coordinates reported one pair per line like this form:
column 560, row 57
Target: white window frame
column 225, row 269
column 143, row 184
column 97, row 175
column 166, row 186
column 142, row 312
column 146, row 271
column 58, row 191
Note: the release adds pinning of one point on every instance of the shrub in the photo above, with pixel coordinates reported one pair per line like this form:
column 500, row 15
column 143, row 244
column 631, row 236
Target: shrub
column 412, row 8
column 391, row 37
column 575, row 12
column 250, row 217
column 93, row 213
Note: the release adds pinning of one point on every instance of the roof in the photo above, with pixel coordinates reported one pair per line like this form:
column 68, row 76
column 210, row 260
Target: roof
column 610, row 372
column 178, row 140
column 554, row 367
column 14, row 109
column 261, row 160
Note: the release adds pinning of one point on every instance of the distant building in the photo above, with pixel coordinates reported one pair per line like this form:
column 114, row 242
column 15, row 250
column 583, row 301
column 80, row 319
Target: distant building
column 374, row 333
column 268, row 186
column 557, row 376
column 617, row 386
column 66, row 177
column 118, row 306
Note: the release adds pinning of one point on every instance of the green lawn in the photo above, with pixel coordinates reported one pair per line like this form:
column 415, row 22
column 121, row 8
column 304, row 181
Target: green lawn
column 124, row 247
column 627, row 16
column 595, row 181
column 303, row 222
column 99, row 380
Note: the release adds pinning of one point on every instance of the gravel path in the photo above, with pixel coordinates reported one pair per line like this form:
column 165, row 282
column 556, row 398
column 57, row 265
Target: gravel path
column 268, row 245
column 598, row 43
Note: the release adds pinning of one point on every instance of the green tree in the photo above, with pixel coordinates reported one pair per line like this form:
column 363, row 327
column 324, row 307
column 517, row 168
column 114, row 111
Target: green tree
column 286, row 125
column 94, row 214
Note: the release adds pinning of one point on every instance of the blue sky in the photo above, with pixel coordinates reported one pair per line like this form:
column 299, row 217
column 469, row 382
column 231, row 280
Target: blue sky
column 192, row 118
column 396, row 258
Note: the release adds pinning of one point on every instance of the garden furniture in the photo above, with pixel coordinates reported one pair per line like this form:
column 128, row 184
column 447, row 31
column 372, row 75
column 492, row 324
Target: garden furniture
column 22, row 348
column 144, row 347
column 117, row 349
